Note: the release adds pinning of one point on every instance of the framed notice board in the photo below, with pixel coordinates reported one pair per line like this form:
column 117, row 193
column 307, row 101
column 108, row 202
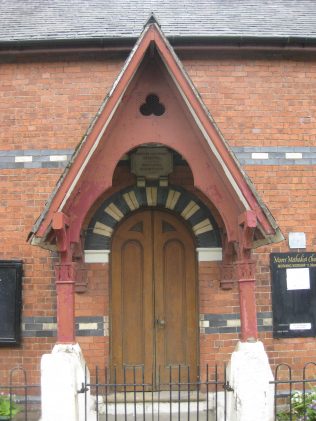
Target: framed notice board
column 293, row 294
column 10, row 301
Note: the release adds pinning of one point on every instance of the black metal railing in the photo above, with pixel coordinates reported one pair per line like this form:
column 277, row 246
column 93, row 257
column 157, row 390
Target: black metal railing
column 295, row 396
column 22, row 399
column 123, row 394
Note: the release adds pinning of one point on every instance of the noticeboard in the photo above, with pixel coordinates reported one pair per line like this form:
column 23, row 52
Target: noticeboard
column 293, row 294
column 10, row 301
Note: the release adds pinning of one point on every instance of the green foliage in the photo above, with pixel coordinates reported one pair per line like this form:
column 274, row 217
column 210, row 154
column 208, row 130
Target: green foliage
column 8, row 408
column 301, row 408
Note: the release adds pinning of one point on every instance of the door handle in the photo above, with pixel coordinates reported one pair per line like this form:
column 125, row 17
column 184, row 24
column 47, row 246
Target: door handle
column 160, row 323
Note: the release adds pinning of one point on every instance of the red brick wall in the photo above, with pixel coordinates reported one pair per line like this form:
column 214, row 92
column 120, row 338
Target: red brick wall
column 48, row 102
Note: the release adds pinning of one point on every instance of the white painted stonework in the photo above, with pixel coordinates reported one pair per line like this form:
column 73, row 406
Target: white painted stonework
column 62, row 375
column 209, row 254
column 205, row 254
column 96, row 256
column 249, row 374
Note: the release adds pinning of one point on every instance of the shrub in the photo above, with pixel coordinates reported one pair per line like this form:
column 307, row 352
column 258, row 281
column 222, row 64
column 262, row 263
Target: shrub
column 301, row 407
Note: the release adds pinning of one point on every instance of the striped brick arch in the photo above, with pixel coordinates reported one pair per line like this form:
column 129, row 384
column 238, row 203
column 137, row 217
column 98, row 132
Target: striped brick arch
column 115, row 208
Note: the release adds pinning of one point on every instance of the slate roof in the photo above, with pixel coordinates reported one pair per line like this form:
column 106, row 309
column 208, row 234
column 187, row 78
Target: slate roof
column 51, row 20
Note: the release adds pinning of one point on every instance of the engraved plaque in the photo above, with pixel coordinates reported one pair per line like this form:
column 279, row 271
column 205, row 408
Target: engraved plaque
column 151, row 162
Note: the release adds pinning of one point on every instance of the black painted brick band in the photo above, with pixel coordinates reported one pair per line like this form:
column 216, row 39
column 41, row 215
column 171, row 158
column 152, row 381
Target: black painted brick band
column 218, row 323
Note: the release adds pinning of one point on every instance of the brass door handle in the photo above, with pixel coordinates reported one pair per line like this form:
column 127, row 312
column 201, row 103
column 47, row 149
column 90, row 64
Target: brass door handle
column 160, row 323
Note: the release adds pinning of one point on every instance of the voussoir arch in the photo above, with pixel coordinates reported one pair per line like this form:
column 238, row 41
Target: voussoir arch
column 100, row 229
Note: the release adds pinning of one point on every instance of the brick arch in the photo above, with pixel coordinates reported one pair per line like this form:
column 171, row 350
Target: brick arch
column 185, row 204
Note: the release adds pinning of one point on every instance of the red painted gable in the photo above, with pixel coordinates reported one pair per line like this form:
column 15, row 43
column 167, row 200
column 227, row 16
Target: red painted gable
column 186, row 127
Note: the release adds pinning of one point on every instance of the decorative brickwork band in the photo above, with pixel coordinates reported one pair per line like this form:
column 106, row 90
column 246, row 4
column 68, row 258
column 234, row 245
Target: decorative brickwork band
column 210, row 323
column 246, row 155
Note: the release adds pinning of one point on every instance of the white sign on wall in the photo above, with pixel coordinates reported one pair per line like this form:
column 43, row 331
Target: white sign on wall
column 300, row 326
column 297, row 278
column 297, row 240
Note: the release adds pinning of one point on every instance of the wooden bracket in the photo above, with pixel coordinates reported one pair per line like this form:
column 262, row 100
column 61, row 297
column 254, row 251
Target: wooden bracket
column 60, row 226
column 227, row 267
column 247, row 224
column 81, row 282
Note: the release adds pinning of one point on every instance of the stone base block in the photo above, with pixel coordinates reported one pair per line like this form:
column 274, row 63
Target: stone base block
column 249, row 374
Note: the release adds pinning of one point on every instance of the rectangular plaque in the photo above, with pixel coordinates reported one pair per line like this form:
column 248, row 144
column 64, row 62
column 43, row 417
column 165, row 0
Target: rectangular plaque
column 10, row 301
column 297, row 278
column 152, row 162
column 300, row 326
column 293, row 286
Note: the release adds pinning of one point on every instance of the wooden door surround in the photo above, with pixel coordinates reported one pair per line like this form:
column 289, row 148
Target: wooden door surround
column 154, row 317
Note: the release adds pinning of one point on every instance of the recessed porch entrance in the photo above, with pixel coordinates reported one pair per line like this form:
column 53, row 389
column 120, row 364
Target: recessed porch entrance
column 154, row 322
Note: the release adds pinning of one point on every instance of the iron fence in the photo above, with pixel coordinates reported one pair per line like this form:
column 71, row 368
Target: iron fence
column 23, row 398
column 109, row 395
column 295, row 396
column 181, row 397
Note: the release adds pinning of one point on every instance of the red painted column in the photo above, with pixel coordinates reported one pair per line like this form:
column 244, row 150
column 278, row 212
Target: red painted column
column 247, row 300
column 245, row 275
column 65, row 288
column 65, row 273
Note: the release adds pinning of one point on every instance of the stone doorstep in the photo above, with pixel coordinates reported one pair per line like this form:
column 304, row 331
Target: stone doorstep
column 163, row 396
column 161, row 410
column 195, row 407
column 193, row 416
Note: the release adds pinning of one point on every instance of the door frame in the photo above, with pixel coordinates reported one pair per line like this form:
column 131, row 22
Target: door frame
column 197, row 290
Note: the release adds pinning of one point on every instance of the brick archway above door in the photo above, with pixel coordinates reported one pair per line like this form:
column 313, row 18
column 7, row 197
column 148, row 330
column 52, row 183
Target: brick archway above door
column 173, row 198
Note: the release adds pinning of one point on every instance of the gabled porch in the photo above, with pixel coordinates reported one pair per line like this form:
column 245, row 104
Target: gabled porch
column 152, row 192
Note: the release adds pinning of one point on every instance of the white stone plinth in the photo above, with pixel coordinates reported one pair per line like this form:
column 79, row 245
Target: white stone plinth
column 249, row 374
column 62, row 376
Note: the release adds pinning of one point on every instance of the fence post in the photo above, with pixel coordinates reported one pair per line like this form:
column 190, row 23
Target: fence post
column 62, row 375
column 249, row 374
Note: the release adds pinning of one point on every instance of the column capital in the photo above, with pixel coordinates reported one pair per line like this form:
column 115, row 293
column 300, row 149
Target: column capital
column 245, row 270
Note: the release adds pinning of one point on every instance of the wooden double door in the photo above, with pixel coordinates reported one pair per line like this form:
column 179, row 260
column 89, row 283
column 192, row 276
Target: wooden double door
column 154, row 317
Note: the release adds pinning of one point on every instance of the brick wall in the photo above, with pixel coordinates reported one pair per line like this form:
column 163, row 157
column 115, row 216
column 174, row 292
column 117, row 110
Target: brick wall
column 260, row 102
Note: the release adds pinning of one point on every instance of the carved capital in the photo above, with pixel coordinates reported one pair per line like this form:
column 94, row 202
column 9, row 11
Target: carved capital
column 65, row 273
column 245, row 270
column 71, row 269
column 227, row 276
column 81, row 281
column 72, row 273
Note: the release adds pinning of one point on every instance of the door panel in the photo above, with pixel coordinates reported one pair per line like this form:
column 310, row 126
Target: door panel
column 175, row 298
column 153, row 297
column 133, row 286
column 173, row 302
column 132, row 320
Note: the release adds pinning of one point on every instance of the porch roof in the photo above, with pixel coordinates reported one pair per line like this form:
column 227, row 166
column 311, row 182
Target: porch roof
column 241, row 186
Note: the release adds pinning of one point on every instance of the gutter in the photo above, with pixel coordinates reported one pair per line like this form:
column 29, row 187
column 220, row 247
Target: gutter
column 124, row 45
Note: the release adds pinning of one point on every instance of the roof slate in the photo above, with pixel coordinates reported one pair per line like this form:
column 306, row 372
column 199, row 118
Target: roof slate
column 43, row 20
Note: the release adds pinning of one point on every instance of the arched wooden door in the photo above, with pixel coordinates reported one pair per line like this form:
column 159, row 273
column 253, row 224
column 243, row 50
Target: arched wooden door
column 154, row 320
